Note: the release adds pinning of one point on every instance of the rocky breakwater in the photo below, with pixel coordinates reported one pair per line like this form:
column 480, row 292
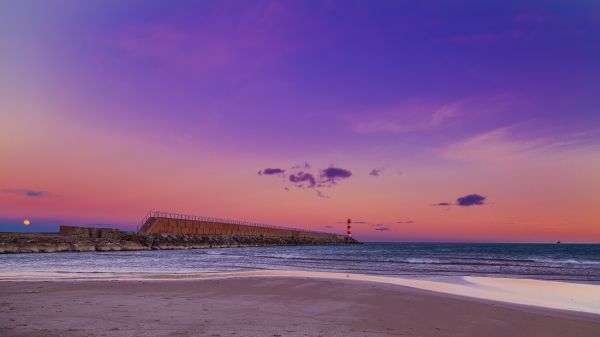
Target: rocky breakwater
column 161, row 241
column 70, row 239
column 83, row 239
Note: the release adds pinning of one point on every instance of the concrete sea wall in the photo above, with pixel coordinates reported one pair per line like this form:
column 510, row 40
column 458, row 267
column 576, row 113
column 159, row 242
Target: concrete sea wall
column 206, row 227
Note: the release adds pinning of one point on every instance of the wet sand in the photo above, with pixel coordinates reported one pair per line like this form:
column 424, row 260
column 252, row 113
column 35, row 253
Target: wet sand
column 267, row 306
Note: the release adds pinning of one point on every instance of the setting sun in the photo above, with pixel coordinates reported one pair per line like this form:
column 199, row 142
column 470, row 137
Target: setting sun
column 26, row 222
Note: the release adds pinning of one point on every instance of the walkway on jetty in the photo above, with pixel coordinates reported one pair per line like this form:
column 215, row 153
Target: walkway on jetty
column 175, row 223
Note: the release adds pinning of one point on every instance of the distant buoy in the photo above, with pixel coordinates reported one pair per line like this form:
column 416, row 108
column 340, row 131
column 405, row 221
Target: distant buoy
column 26, row 222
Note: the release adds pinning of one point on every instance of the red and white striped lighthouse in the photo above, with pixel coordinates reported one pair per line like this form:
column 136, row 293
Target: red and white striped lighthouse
column 349, row 229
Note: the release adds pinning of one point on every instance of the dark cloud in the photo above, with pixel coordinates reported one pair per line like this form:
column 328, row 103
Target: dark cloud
column 470, row 200
column 302, row 177
column 331, row 175
column 335, row 172
column 405, row 222
column 383, row 229
column 328, row 226
column 466, row 201
column 271, row 171
column 376, row 171
column 299, row 177
column 25, row 192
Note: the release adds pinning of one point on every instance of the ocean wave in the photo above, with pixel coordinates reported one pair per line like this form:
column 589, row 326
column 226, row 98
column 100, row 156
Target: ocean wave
column 564, row 261
column 573, row 262
column 408, row 262
column 423, row 260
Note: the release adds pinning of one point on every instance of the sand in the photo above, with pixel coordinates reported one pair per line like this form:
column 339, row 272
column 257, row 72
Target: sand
column 542, row 293
column 267, row 306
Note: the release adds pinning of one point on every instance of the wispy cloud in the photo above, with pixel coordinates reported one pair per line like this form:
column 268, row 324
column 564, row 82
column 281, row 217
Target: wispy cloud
column 486, row 37
column 26, row 192
column 220, row 41
column 506, row 143
column 303, row 166
column 321, row 195
column 359, row 222
column 531, row 17
column 419, row 114
column 381, row 227
column 376, row 171
column 406, row 116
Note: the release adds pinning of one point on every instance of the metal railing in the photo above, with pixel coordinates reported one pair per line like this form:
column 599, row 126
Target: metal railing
column 178, row 216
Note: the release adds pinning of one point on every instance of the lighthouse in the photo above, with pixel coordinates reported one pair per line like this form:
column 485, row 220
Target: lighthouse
column 349, row 228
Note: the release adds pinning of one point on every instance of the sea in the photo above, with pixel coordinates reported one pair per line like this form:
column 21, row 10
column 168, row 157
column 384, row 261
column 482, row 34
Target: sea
column 563, row 262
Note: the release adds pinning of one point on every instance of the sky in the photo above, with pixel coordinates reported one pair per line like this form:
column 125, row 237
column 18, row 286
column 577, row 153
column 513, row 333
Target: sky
column 419, row 120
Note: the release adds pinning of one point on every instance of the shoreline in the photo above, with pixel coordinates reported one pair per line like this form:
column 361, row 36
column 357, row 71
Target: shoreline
column 554, row 295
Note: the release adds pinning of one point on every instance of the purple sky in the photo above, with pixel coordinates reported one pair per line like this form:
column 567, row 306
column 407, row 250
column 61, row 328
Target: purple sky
column 432, row 92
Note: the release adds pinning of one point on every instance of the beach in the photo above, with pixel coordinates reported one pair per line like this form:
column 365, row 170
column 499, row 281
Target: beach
column 340, row 290
column 266, row 306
